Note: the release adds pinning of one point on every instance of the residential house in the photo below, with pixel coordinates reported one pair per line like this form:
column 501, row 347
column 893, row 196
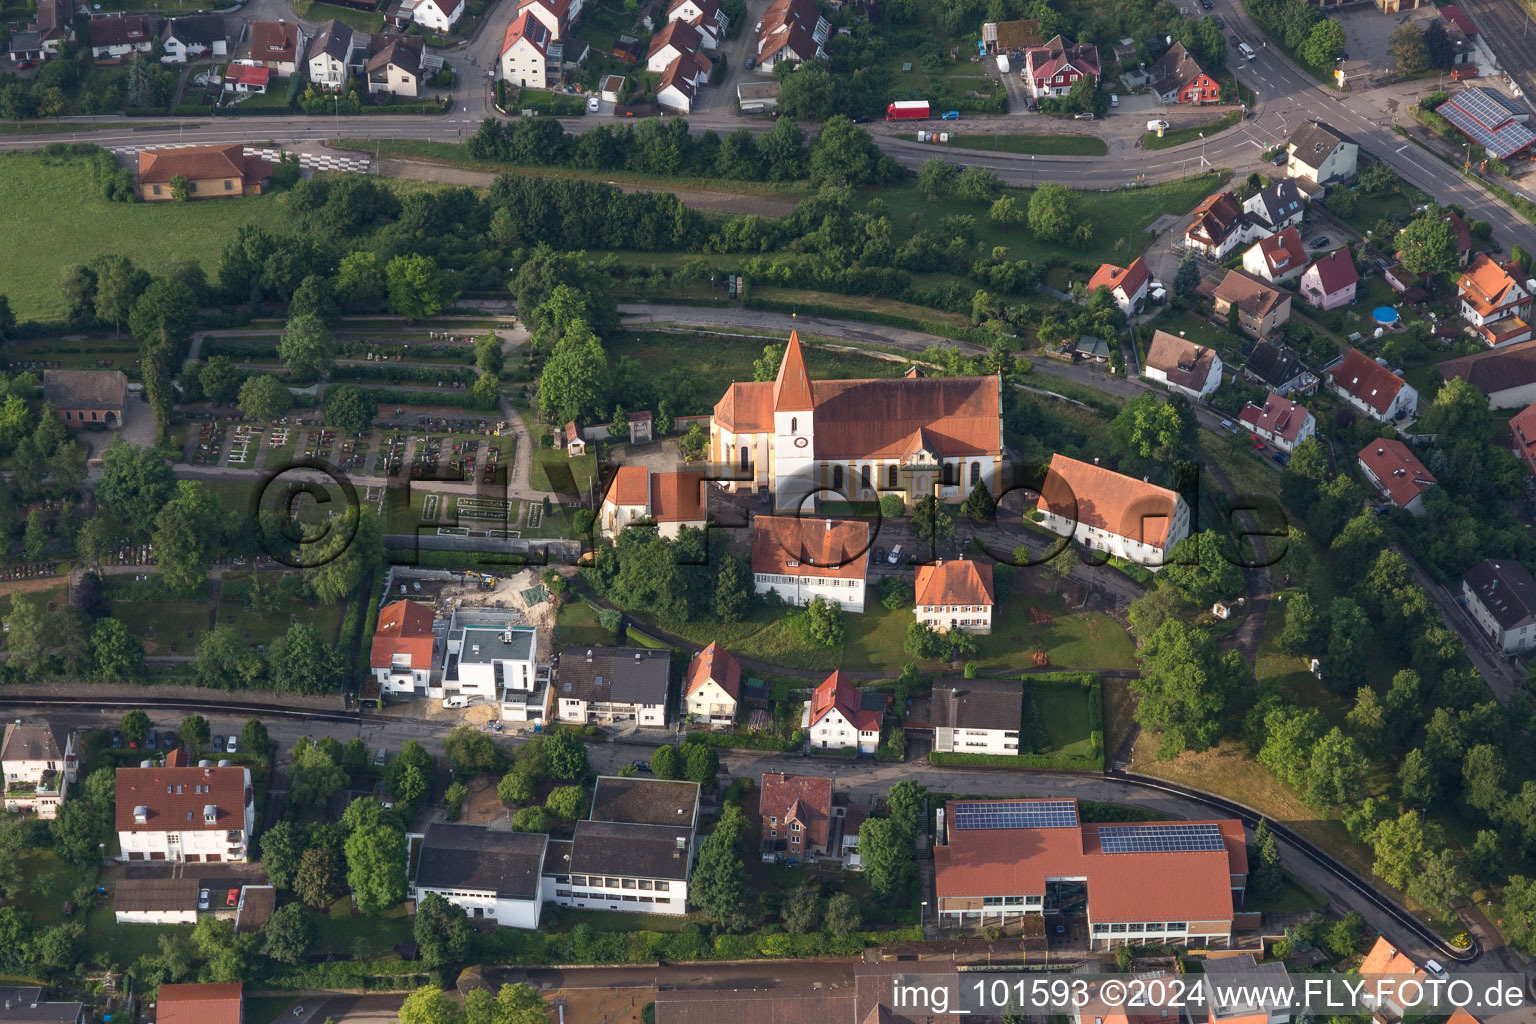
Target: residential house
column 210, row 1003
column 1491, row 121
column 1177, row 77
column 87, row 396
column 395, row 65
column 491, row 874
column 1217, row 227
column 1321, row 154
column 801, row 559
column 840, row 715
column 796, row 813
column 1128, row 285
column 185, row 812
column 635, row 850
column 38, row 763
column 276, row 45
column 670, row 500
column 530, row 57
column 1372, row 388
column 118, row 36
column 605, row 685
column 401, row 654
column 438, row 15
column 1385, row 959
column 1277, row 258
column 1182, row 365
column 247, row 79
column 705, row 15
column 156, row 900
column 679, row 84
column 1396, row 473
column 1110, row 512
column 757, row 97
column 26, row 1005
column 55, row 26
column 1260, row 309
column 489, row 658
column 1279, row 368
column 25, row 44
column 1277, row 206
column 793, row 31
column 1494, row 302
column 1330, row 282
column 1240, row 990
column 193, row 37
column 977, row 716
column 211, row 172
column 1507, row 375
column 1176, row 882
column 555, row 15
column 675, row 39
column 955, row 595
column 1522, row 428
column 858, row 439
column 1053, row 68
column 332, row 55
column 1500, row 595
column 1279, row 421
column 712, row 686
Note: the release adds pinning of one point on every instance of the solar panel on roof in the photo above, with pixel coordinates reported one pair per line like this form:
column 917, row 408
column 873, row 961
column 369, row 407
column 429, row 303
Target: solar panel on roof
column 1483, row 107
column 1016, row 814
column 1160, row 838
column 1500, row 142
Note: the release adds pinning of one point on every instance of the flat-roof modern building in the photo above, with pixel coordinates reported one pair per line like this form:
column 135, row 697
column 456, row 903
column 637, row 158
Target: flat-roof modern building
column 25, row 1005
column 1137, row 883
column 635, row 850
column 1240, row 990
column 490, row 657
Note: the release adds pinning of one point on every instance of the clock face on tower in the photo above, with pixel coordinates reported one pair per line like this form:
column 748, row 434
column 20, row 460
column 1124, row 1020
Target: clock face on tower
column 801, row 442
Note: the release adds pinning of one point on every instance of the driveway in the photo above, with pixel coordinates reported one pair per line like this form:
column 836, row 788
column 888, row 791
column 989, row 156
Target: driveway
column 722, row 98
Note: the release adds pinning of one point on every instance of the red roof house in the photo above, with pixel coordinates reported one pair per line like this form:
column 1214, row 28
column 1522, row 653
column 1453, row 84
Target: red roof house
column 956, row 594
column 213, row 1003
column 1394, row 471
column 1127, row 284
column 1330, row 282
column 1279, row 421
column 712, row 685
column 401, row 655
column 1178, row 78
column 1372, row 388
column 796, row 812
column 840, row 715
column 1056, row 66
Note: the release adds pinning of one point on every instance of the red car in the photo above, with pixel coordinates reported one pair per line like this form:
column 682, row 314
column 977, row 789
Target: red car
column 233, row 899
column 1256, row 442
column 26, row 64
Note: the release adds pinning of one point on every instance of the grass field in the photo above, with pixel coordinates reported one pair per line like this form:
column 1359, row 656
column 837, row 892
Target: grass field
column 1191, row 133
column 363, row 21
column 552, row 470
column 576, row 624
column 1065, row 710
column 1044, row 145
column 343, row 932
column 68, row 223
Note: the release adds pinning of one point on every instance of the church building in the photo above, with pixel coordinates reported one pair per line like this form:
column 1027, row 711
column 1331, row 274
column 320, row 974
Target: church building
column 855, row 440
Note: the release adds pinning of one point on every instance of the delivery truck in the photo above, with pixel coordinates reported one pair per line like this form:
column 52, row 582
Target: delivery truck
column 907, row 110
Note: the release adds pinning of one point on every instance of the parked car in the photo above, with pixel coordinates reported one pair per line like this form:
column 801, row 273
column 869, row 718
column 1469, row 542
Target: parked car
column 950, row 115
column 1433, row 967
column 751, row 62
column 641, row 766
column 153, row 742
column 380, row 757
column 203, row 899
column 895, row 556
column 1207, row 4
column 1228, row 426
column 1157, row 123
column 168, row 740
column 459, row 701
column 232, row 744
column 1280, row 159
column 218, row 744
column 1281, row 458
column 1114, row 99
column 1257, row 441
column 593, row 105
column 26, row 64
column 1321, row 242
column 1086, row 115
column 117, row 739
column 232, row 899
column 1219, row 23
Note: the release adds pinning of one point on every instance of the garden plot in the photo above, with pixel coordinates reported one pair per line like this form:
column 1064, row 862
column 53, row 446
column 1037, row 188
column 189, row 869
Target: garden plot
column 430, row 506
column 491, row 510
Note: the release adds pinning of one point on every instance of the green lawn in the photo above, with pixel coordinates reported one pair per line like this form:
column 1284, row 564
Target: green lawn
column 557, row 919
column 68, row 223
column 1067, row 722
column 1044, row 145
column 1191, row 133
column 576, row 625
column 363, row 21
column 553, row 470
column 343, row 932
column 163, row 623
column 266, row 1009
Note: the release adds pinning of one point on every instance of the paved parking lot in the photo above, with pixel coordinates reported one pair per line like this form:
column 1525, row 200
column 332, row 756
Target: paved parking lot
column 1367, row 32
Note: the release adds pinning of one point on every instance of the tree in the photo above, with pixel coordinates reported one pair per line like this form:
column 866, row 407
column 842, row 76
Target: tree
column 1428, row 245
column 441, row 931
column 666, row 763
column 186, row 529
column 118, row 284
column 719, row 885
column 807, row 92
column 1289, row 736
column 1336, row 770
column 567, row 803
column 376, row 867
column 314, row 776
column 1185, row 686
column 1151, row 428
column 263, row 398
column 1400, row 845
column 1485, row 861
column 194, row 734
column 824, row 622
column 288, row 935
column 701, row 763
column 1482, row 776
column 802, row 910
column 282, row 846
column 115, row 652
column 164, row 312
column 1367, row 716
column 1052, row 212
column 1201, row 567
column 1409, row 48
column 135, row 484
column 906, row 800
column 567, row 755
column 1303, row 633
column 842, row 918
column 417, row 289
column 135, row 724
column 514, row 788
column 933, row 521
column 979, row 504
column 531, row 819
column 306, row 347
column 1325, row 43
column 430, row 1005
column 978, row 185
column 888, row 856
column 1267, row 879
column 1187, row 280
column 488, row 354
column 843, row 153
column 513, row 1004
column 936, row 177
column 67, row 465
column 573, row 379
column 1440, row 883
column 302, row 661
column 1417, row 780
column 318, row 880
column 733, row 597
column 1005, row 211
column 350, row 408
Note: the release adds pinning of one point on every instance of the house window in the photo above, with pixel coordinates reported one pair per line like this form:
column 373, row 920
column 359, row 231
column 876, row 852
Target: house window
column 191, row 186
column 157, row 189
column 794, row 424
column 837, row 478
column 663, row 886
column 890, row 476
column 746, row 460
column 229, row 186
column 949, row 474
column 975, row 473
column 864, row 478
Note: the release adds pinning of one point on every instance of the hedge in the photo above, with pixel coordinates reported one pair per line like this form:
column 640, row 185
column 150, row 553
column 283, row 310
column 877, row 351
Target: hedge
column 379, row 975
column 587, row 945
column 403, row 373
column 458, row 398
column 1058, row 762
column 743, row 741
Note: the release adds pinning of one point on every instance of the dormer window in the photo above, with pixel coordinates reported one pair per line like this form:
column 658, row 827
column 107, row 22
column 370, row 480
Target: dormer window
column 210, row 814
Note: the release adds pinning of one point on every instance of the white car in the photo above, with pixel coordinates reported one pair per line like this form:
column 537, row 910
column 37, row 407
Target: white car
column 203, row 899
column 895, row 555
column 1154, row 125
column 593, row 106
column 456, row 702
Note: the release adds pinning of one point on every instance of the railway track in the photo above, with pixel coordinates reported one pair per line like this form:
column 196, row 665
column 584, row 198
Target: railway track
column 1508, row 29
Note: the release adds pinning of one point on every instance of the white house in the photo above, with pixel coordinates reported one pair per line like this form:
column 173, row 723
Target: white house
column 955, row 595
column 1501, row 597
column 607, row 685
column 38, row 762
column 793, row 31
column 525, row 57
column 401, row 654
column 555, row 15
column 680, row 83
column 803, row 559
column 977, row 716
column 1278, row 257
column 1372, row 388
column 840, row 715
column 395, row 66
column 1182, row 365
column 1113, row 513
column 676, row 39
column 1279, row 421
column 332, row 55
column 1128, row 285
column 1277, row 206
column 1396, row 473
column 670, row 500
column 157, row 900
column 120, row 36
column 1217, row 226
column 1494, row 302
column 704, row 15
column 485, row 658
column 1320, row 154
column 712, row 686
column 191, row 813
column 193, row 37
column 438, row 15
column 493, row 874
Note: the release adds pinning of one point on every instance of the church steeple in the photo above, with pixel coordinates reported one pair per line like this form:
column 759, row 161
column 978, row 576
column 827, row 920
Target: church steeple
column 792, row 389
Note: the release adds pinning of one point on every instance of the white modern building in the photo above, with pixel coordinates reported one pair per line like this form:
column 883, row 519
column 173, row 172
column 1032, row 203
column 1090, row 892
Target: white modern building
column 1113, row 513
column 608, row 685
column 191, row 813
column 977, row 716
column 487, row 658
column 803, row 559
column 39, row 763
